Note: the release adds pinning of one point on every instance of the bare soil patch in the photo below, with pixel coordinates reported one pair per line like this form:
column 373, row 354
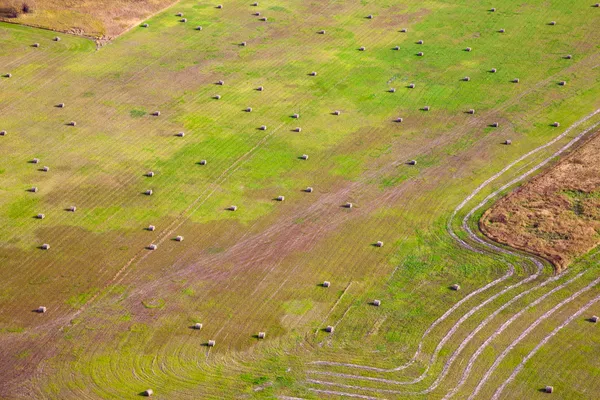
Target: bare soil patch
column 557, row 214
column 100, row 19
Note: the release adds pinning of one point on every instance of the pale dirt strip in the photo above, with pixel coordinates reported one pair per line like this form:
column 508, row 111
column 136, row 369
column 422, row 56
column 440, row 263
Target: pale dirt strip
column 520, row 367
column 526, row 332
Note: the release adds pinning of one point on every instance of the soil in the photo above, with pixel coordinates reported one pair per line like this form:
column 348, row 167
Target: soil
column 557, row 214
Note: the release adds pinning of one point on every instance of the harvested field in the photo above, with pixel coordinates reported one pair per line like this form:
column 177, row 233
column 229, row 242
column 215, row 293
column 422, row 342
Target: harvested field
column 99, row 19
column 557, row 214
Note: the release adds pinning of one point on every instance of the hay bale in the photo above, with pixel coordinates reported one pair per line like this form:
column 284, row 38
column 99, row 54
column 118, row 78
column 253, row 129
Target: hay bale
column 148, row 192
column 261, row 335
column 179, row 238
column 321, row 32
column 232, row 208
column 183, row 20
column 33, row 189
column 72, row 209
column 594, row 319
column 202, row 162
column 455, row 287
column 568, row 57
column 35, row 45
column 420, row 42
column 145, row 25
column 152, row 247
column 396, row 48
column 35, row 161
column 556, row 124
column 148, row 392
column 404, row 30
column 314, row 73
column 45, row 168
column 552, row 23
column 56, row 39
column 220, row 82
column 9, row 75
column 471, row 111
column 257, row 14
column 248, row 109
column 72, row 123
column 502, row 30
column 516, row 80
column 220, row 6
column 211, row 343
column 280, row 198
column 197, row 326
column 493, row 70
column 60, row 105
column 337, row 112
column 420, row 54
column 150, row 174
column 597, row 5
column 379, row 243
column 495, row 125
column 329, row 329
column 255, row 4
column 45, row 246
column 41, row 309
column 180, row 134
column 348, row 205
column 370, row 16
column 304, row 156
column 155, row 114
column 308, row 190
column 549, row 389
column 426, row 108
column 508, row 142
column 326, row 284
column 492, row 10
column 562, row 83
column 376, row 303
column 2, row 133
column 468, row 49
column 243, row 44
column 260, row 88
column 466, row 79
column 151, row 228
column 412, row 162
column 392, row 90
column 296, row 116
column 263, row 128
column 179, row 14
column 361, row 48
column 198, row 28
column 411, row 85
column 297, row 129
column 264, row 19
column 40, row 216
column 399, row 119
column 217, row 97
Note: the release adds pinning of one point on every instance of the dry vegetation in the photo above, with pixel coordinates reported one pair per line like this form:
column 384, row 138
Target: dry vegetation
column 101, row 19
column 557, row 214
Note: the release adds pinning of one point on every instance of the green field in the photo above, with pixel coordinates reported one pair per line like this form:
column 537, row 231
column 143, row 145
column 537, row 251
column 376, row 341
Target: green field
column 119, row 315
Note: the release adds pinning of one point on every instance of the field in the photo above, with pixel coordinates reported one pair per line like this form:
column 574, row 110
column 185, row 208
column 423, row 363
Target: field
column 556, row 214
column 119, row 315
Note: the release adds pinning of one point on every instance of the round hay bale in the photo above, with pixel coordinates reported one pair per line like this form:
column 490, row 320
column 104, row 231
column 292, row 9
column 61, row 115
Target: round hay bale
column 396, row 47
column 321, row 32
column 314, row 73
column 377, row 303
column 40, row 216
column 549, row 389
column 399, row 119
column 217, row 97
column 156, row 114
column 56, row 39
column 296, row 116
column 202, row 162
column 556, row 124
column 404, row 30
column 60, row 105
column 337, row 112
column 411, row 86
column 420, row 42
column 304, row 156
column 420, row 54
column 41, row 310
column 152, row 247
column 150, row 174
column 45, row 168
column 36, row 45
column 197, row 326
column 379, row 243
column 45, row 246
column 552, row 23
column 468, row 49
column 455, row 287
column 298, row 129
column 471, row 111
column 412, row 162
column 495, row 125
column 220, row 82
column 263, row 128
column 492, row 10
column 348, row 205
column 466, row 79
column 243, row 44
column 220, row 6
column 594, row 319
column 508, row 142
column 562, row 83
column 568, row 57
column 329, row 329
column 362, row 48
column 370, row 16
column 3, row 133
column 198, row 28
column 179, row 14
column 33, row 189
column 426, row 108
column 493, row 70
column 211, row 343
column 151, row 228
column 280, row 198
column 148, row 392
column 9, row 75
column 248, row 109
column 183, row 20
column 232, row 208
column 261, row 335
column 255, row 4
column 180, row 134
column 308, row 190
column 264, row 19
column 145, row 25
column 516, row 80
column 392, row 90
column 35, row 161
column 326, row 284
column 502, row 30
column 72, row 123
column 148, row 192
column 72, row 209
column 179, row 238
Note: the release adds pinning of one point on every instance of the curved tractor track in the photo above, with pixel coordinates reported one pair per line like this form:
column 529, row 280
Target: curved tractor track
column 478, row 245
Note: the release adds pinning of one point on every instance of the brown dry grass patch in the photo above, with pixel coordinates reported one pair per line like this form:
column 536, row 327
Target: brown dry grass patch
column 557, row 214
column 100, row 19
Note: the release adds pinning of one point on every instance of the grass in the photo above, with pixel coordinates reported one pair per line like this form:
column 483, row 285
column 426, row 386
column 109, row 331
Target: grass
column 257, row 269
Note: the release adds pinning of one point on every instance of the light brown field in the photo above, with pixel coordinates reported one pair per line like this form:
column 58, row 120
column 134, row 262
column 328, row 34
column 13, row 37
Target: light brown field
column 557, row 214
column 100, row 19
